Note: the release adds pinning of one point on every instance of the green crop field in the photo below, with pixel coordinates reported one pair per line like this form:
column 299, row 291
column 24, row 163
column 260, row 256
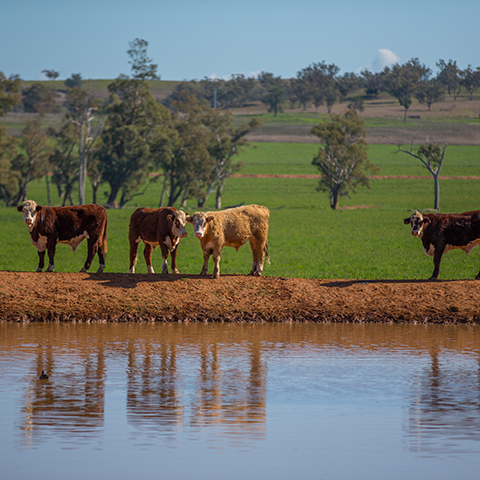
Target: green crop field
column 307, row 238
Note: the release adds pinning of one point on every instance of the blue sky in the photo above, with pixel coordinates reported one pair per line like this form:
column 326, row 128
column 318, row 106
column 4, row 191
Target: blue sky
column 193, row 39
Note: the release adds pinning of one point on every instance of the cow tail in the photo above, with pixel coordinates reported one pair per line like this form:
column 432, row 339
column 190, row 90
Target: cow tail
column 267, row 256
column 104, row 246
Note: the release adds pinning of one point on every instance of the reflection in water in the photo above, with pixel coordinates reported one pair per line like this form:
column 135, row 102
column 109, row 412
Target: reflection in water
column 446, row 404
column 175, row 384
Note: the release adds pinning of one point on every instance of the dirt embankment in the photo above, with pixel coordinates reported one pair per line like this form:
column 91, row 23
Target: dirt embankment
column 26, row 296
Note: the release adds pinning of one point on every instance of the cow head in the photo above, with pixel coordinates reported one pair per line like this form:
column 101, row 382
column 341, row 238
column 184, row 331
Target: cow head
column 418, row 222
column 199, row 221
column 178, row 220
column 29, row 210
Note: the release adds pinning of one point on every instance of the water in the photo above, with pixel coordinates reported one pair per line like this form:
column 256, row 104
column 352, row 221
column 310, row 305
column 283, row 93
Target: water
column 269, row 401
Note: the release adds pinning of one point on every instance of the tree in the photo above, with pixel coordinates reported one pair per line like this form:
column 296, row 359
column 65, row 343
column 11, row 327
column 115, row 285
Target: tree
column 82, row 109
column 135, row 126
column 373, row 83
column 51, row 74
column 136, row 130
column 429, row 92
column 74, row 81
column 9, row 93
column 39, row 99
column 9, row 179
column 402, row 81
column 321, row 80
column 32, row 160
column 142, row 68
column 470, row 79
column 431, row 156
column 275, row 92
column 64, row 160
column 185, row 159
column 226, row 142
column 449, row 77
column 342, row 158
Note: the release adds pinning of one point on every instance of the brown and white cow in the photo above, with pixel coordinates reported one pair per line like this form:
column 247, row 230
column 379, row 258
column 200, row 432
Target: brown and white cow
column 443, row 232
column 155, row 227
column 232, row 228
column 68, row 225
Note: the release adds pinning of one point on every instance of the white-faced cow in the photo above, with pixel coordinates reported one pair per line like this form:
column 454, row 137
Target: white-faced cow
column 69, row 225
column 443, row 232
column 232, row 228
column 155, row 227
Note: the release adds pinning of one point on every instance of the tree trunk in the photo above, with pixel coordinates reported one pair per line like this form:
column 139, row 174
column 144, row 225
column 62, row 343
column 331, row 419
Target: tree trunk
column 112, row 198
column 437, row 192
column 164, row 191
column 334, row 197
column 49, row 198
column 218, row 198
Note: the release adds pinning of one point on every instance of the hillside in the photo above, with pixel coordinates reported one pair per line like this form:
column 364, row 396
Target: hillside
column 454, row 122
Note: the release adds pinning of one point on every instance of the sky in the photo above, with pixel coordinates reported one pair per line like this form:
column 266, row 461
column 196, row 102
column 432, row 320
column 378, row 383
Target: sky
column 196, row 39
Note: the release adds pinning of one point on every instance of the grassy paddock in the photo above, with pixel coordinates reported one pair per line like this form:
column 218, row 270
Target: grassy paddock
column 307, row 239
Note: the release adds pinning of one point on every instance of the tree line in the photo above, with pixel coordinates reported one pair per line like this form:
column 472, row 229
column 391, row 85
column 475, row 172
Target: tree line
column 123, row 143
column 320, row 84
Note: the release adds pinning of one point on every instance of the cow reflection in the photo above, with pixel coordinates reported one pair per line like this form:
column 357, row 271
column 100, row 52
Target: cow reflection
column 153, row 401
column 71, row 402
column 229, row 389
column 232, row 389
column 446, row 406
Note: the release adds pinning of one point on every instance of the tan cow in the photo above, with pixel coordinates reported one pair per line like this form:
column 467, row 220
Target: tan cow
column 232, row 228
column 155, row 227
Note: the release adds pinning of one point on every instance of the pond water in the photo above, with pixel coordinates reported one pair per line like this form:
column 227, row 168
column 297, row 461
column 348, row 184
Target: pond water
column 231, row 401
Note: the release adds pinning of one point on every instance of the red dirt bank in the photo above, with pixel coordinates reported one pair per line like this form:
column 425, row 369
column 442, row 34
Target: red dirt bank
column 26, row 296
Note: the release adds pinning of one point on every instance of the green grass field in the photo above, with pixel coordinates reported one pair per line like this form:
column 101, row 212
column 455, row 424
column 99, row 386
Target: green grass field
column 306, row 239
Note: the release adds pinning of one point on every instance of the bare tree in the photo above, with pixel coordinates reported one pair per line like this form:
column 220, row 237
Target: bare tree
column 431, row 155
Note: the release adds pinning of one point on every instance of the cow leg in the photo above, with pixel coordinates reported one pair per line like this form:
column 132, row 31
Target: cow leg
column 51, row 255
column 92, row 249
column 216, row 263
column 206, row 258
column 174, row 261
column 133, row 255
column 258, row 249
column 164, row 250
column 147, row 253
column 101, row 257
column 436, row 263
column 41, row 261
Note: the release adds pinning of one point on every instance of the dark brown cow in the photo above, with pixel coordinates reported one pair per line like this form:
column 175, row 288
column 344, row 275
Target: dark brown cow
column 156, row 227
column 232, row 228
column 443, row 232
column 69, row 225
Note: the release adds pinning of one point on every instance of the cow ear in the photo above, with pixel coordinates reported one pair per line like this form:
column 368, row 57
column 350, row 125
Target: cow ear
column 426, row 220
column 170, row 218
column 406, row 221
column 19, row 208
column 189, row 219
column 38, row 208
column 210, row 218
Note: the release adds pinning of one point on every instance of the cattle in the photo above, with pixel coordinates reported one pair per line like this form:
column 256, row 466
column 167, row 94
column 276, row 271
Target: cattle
column 443, row 232
column 232, row 228
column 155, row 227
column 68, row 225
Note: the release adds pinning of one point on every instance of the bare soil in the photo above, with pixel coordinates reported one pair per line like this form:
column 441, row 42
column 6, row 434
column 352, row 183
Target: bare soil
column 83, row 297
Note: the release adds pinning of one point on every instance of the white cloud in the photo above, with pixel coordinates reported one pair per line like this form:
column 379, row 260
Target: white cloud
column 384, row 58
